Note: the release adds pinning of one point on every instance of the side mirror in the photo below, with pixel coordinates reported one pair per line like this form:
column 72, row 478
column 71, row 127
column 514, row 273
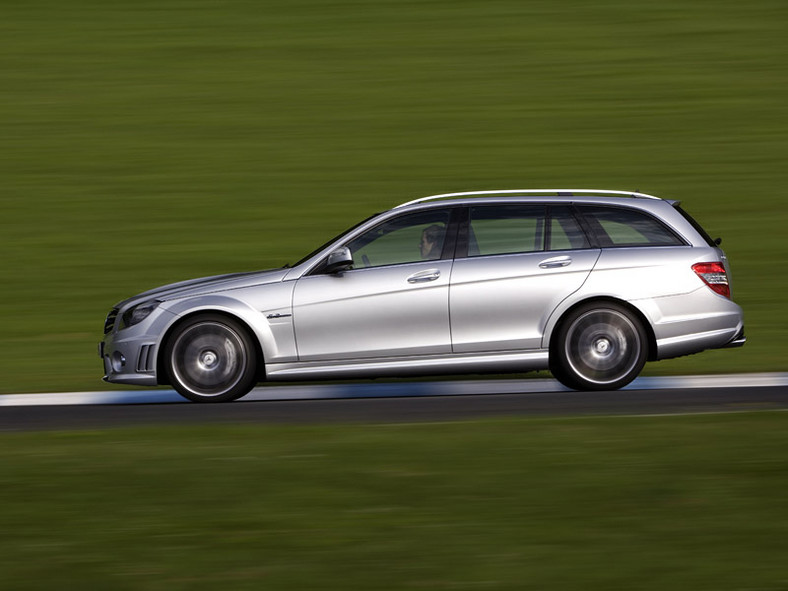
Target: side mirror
column 339, row 260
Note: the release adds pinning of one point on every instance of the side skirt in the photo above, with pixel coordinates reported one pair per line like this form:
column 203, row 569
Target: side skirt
column 498, row 362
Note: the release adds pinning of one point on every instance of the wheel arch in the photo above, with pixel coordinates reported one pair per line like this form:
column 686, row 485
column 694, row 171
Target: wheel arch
column 162, row 375
column 555, row 325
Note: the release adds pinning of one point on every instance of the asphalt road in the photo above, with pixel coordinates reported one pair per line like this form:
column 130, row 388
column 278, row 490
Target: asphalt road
column 384, row 403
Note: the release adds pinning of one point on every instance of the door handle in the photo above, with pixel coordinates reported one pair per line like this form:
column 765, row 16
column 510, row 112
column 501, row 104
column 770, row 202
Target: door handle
column 424, row 276
column 556, row 262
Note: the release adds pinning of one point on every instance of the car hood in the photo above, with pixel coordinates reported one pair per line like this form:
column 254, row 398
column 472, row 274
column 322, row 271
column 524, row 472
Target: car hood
column 204, row 285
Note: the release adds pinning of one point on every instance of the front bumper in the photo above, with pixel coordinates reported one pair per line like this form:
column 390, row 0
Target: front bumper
column 130, row 355
column 128, row 362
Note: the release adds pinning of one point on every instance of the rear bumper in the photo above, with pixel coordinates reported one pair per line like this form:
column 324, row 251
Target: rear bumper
column 694, row 322
column 737, row 341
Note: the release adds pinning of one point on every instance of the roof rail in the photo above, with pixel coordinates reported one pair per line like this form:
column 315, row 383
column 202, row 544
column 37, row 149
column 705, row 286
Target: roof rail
column 545, row 192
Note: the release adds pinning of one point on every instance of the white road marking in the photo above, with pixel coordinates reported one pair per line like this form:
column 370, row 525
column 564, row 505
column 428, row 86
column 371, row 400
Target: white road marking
column 392, row 390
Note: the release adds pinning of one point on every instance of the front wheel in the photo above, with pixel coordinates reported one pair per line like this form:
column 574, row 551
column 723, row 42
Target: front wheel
column 599, row 346
column 211, row 358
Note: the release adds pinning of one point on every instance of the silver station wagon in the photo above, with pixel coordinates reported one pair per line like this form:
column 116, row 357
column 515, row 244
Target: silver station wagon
column 587, row 284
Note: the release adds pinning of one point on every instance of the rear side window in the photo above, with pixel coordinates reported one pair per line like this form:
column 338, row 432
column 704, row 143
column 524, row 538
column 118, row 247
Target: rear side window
column 616, row 226
column 506, row 229
column 564, row 233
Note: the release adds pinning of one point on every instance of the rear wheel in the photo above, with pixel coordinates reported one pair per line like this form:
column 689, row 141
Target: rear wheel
column 599, row 346
column 211, row 358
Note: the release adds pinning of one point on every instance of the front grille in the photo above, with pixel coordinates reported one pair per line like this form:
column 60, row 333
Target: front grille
column 109, row 323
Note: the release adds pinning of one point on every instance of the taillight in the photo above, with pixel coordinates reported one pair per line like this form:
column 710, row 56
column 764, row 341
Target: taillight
column 714, row 275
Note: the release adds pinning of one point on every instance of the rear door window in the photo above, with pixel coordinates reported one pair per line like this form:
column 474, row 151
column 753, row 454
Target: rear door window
column 564, row 232
column 506, row 229
column 617, row 226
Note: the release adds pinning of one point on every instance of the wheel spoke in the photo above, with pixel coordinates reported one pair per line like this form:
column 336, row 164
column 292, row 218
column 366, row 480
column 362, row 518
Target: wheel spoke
column 209, row 358
column 602, row 346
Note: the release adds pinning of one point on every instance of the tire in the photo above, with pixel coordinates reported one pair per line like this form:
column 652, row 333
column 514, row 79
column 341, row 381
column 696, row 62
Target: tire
column 599, row 346
column 211, row 358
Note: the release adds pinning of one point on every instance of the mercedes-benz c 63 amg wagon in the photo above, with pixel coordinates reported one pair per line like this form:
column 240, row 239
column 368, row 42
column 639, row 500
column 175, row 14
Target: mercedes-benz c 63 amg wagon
column 588, row 284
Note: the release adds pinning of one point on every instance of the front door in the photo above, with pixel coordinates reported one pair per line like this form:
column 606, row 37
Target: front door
column 393, row 302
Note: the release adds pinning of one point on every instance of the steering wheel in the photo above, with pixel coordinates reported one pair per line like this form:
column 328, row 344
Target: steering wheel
column 365, row 260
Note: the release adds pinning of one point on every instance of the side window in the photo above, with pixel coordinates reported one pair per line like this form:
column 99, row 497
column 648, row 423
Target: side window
column 405, row 239
column 506, row 229
column 616, row 226
column 564, row 232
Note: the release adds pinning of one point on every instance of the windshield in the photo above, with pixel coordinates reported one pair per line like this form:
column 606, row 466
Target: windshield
column 334, row 239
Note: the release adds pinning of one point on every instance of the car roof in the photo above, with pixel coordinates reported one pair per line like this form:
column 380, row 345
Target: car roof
column 560, row 195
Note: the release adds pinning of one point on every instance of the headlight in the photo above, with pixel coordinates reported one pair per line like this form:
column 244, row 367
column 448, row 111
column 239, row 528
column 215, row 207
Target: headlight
column 138, row 313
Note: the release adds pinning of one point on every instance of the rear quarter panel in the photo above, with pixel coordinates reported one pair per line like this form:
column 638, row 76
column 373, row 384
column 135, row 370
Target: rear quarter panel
column 684, row 314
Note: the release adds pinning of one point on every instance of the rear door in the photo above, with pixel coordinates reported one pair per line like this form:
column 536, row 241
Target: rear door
column 516, row 263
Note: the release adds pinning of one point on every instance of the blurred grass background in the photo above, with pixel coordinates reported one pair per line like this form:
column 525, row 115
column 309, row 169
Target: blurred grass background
column 147, row 142
column 645, row 503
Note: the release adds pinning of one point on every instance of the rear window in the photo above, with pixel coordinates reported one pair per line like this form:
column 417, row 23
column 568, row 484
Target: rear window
column 616, row 226
column 698, row 228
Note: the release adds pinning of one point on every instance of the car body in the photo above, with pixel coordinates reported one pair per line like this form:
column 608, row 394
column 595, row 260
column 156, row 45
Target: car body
column 588, row 284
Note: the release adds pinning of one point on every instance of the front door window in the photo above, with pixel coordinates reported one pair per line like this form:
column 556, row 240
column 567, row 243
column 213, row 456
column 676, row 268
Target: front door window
column 405, row 239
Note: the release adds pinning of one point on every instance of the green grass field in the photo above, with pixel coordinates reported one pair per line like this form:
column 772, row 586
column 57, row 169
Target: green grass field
column 148, row 142
column 680, row 503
